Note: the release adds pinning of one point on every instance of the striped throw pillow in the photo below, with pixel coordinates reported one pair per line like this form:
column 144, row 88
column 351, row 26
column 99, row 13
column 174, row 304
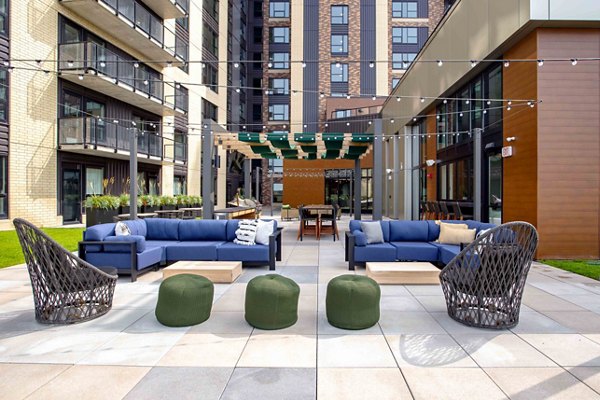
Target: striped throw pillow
column 246, row 233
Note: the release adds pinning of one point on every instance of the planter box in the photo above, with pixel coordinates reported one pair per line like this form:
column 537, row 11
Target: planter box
column 169, row 207
column 148, row 209
column 95, row 216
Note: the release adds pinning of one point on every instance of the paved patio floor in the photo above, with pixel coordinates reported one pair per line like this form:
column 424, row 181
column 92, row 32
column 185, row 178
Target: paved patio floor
column 415, row 351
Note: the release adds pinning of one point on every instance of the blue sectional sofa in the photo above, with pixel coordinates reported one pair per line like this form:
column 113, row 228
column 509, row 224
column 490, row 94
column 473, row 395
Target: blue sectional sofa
column 403, row 241
column 158, row 241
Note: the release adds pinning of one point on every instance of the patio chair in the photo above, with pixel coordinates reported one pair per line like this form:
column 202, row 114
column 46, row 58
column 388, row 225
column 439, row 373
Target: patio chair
column 66, row 289
column 445, row 211
column 306, row 224
column 328, row 223
column 458, row 214
column 483, row 285
column 437, row 211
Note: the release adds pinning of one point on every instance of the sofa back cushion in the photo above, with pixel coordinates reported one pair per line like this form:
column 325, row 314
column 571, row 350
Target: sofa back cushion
column 99, row 232
column 203, row 230
column 137, row 227
column 479, row 226
column 232, row 226
column 162, row 229
column 408, row 231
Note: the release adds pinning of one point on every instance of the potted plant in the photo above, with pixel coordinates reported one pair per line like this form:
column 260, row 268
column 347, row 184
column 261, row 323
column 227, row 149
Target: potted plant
column 101, row 209
column 168, row 203
column 195, row 201
column 147, row 201
column 124, row 203
column 181, row 201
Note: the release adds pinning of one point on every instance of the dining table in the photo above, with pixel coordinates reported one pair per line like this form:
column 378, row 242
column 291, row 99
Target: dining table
column 314, row 209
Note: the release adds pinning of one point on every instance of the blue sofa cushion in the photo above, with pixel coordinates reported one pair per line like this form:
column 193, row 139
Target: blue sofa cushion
column 415, row 251
column 162, row 229
column 99, row 232
column 237, row 252
column 360, row 239
column 162, row 244
column 375, row 252
column 200, row 230
column 232, row 226
column 408, row 231
column 124, row 248
column 137, row 227
column 193, row 250
column 446, row 251
column 122, row 261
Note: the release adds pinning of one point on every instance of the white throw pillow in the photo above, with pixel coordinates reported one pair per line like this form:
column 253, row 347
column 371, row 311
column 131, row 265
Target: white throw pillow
column 121, row 229
column 263, row 231
column 456, row 236
column 246, row 232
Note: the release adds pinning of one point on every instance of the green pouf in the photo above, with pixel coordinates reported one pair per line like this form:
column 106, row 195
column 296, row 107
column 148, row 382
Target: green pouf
column 272, row 302
column 353, row 302
column 184, row 300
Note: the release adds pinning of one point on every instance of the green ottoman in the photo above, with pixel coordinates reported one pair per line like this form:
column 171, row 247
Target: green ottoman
column 184, row 300
column 352, row 302
column 272, row 302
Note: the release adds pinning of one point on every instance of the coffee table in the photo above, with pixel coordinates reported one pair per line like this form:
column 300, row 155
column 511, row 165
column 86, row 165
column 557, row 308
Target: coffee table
column 403, row 273
column 216, row 271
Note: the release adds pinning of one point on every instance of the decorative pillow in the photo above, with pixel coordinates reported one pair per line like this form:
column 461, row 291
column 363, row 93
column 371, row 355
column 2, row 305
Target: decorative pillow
column 373, row 232
column 246, row 232
column 264, row 229
column 455, row 236
column 360, row 239
column 451, row 225
column 121, row 229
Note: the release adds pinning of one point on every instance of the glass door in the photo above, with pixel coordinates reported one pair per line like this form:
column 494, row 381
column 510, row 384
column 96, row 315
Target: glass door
column 71, row 195
column 495, row 188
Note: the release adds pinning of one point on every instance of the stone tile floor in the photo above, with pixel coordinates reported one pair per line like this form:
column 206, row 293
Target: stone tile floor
column 415, row 351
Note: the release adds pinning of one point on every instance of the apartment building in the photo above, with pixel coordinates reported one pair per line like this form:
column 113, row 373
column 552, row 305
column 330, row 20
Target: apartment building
column 80, row 78
column 331, row 61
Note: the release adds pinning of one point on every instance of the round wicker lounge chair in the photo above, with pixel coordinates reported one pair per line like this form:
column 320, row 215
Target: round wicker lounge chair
column 483, row 284
column 66, row 289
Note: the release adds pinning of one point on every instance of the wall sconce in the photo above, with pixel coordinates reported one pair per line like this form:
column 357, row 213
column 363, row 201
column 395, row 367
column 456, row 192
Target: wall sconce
column 430, row 163
column 511, row 139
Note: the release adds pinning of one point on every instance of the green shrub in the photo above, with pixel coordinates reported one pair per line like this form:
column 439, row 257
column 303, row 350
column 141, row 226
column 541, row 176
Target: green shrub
column 104, row 202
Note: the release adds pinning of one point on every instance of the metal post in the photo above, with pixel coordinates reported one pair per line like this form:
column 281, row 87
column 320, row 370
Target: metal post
column 272, row 172
column 396, row 180
column 247, row 179
column 477, row 165
column 208, row 195
column 257, row 184
column 357, row 187
column 133, row 192
column 378, row 170
column 408, row 174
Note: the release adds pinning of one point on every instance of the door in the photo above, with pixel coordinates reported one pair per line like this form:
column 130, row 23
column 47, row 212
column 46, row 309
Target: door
column 71, row 195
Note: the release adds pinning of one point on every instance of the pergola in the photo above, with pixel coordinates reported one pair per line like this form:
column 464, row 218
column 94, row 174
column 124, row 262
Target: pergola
column 303, row 146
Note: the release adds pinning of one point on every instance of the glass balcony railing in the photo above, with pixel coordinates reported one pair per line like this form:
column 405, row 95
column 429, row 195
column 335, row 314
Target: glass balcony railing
column 138, row 15
column 91, row 131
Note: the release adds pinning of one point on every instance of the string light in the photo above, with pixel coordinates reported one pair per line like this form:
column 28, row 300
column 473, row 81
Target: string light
column 506, row 63
column 540, row 63
column 371, row 64
column 136, row 65
column 440, row 63
column 573, row 61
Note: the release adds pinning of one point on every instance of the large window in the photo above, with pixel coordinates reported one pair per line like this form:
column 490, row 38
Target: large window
column 280, row 60
column 93, row 181
column 4, row 17
column 3, row 95
column 404, row 9
column 279, row 112
column 279, row 86
column 279, row 9
column 402, row 60
column 339, row 44
column 179, row 185
column 209, row 110
column 3, row 186
column 455, row 180
column 279, row 34
column 210, row 39
column 212, row 7
column 404, row 35
column 339, row 72
column 210, row 77
column 258, row 33
column 258, row 9
column 339, row 15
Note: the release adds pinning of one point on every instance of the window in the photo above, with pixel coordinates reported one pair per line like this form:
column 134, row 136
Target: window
column 3, row 95
column 280, row 60
column 279, row 112
column 280, row 34
column 456, row 180
column 395, row 82
column 339, row 72
column 404, row 9
column 279, row 86
column 257, row 112
column 3, row 186
column 210, row 40
column 70, row 33
column 404, row 35
column 257, row 9
column 210, row 77
column 180, row 146
column 402, row 60
column 212, row 7
column 343, row 113
column 494, row 91
column 4, row 17
column 279, row 9
column 339, row 44
column 258, row 34
column 209, row 110
column 257, row 58
column 339, row 15
column 179, row 185
column 93, row 181
column 257, row 85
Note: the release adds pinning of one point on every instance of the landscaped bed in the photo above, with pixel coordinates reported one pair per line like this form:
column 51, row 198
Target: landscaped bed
column 589, row 268
column 10, row 250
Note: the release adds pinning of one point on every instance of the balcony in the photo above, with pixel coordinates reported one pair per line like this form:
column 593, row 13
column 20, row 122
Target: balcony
column 168, row 9
column 90, row 135
column 97, row 68
column 132, row 23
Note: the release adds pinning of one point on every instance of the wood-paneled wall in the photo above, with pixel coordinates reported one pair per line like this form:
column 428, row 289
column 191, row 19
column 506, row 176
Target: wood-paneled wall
column 519, row 81
column 569, row 145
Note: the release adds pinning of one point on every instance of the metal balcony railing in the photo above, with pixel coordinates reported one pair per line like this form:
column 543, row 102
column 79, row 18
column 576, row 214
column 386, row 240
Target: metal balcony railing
column 91, row 131
column 184, row 4
column 137, row 14
column 355, row 112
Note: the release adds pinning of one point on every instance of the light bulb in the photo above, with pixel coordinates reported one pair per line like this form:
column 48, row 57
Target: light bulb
column 460, row 115
column 321, row 95
column 398, row 99
column 348, row 96
column 440, row 63
column 303, row 65
column 136, row 65
column 80, row 77
column 102, row 64
column 489, row 102
column 445, row 101
column 169, row 64
column 510, row 102
column 506, row 63
column 270, row 65
column 70, row 64
column 467, row 101
column 236, row 65
column 540, row 63
column 573, row 61
column 146, row 82
column 371, row 64
column 392, row 120
column 374, row 98
column 473, row 63
column 422, row 99
column 508, row 108
column 237, row 90
column 338, row 65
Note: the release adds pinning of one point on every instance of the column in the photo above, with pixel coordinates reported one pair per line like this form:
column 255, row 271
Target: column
column 357, row 189
column 378, row 169
column 208, row 195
